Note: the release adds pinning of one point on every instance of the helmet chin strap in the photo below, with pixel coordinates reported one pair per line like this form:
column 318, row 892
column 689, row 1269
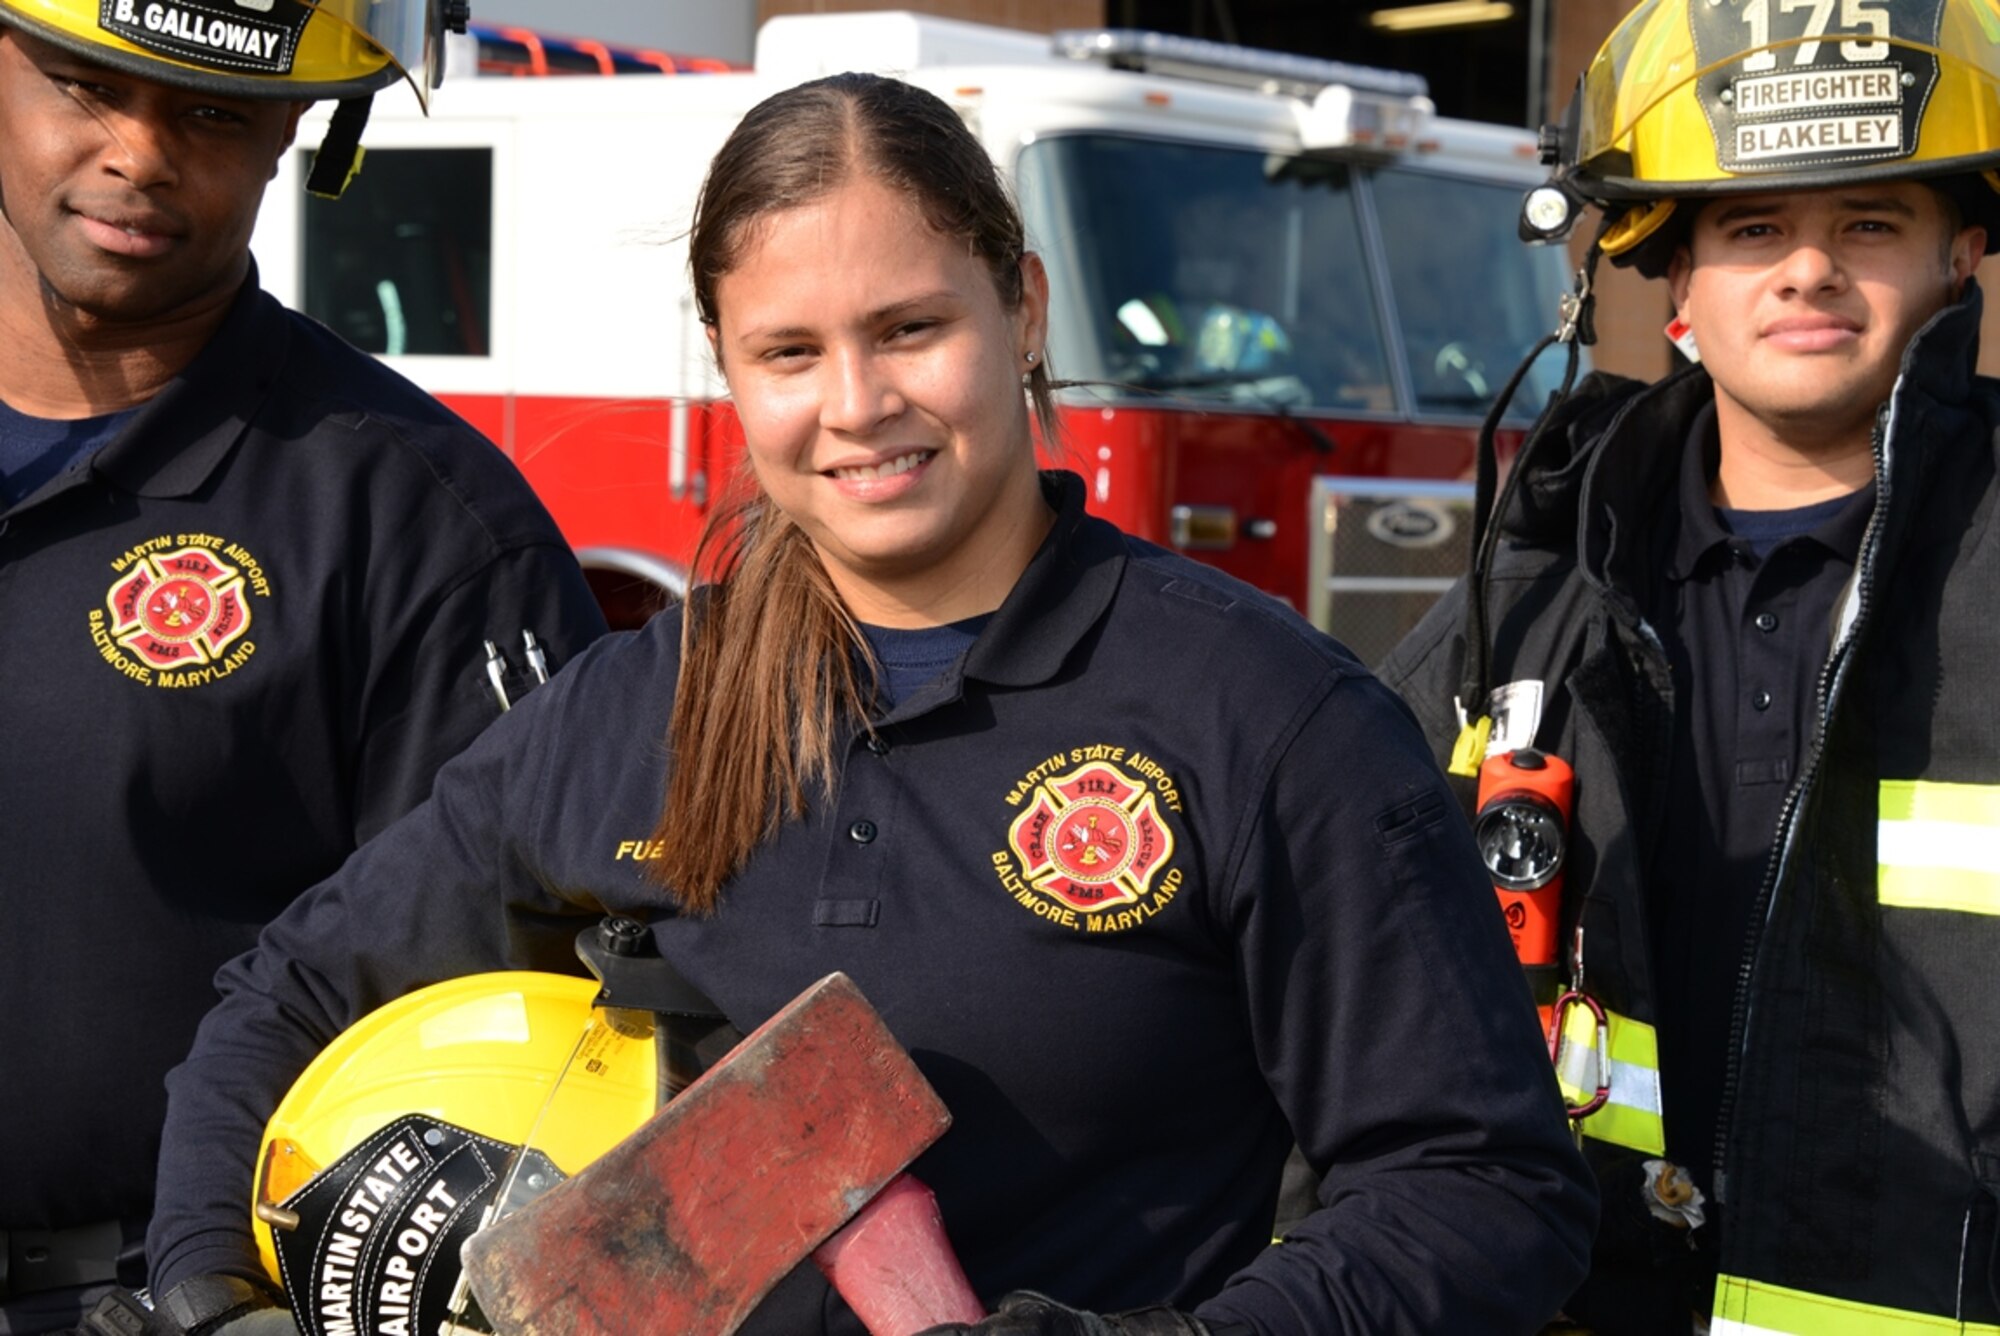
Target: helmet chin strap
column 338, row 161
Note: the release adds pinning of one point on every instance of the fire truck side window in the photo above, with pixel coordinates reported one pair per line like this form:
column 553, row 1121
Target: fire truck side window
column 1206, row 272
column 1471, row 299
column 402, row 263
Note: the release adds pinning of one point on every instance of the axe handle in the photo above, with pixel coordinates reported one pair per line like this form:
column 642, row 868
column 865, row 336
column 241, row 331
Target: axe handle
column 894, row 1265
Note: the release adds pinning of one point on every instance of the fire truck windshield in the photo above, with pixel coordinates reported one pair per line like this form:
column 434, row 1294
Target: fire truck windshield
column 1223, row 274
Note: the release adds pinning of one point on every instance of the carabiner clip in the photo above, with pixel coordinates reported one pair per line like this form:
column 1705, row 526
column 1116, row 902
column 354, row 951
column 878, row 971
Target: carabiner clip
column 1561, row 1055
column 1573, row 310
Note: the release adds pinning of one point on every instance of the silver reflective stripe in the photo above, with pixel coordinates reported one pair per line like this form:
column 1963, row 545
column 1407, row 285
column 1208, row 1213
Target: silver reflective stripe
column 1635, row 1087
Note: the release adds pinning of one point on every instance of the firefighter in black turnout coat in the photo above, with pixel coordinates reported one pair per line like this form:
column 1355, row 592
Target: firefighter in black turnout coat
column 1753, row 605
column 246, row 573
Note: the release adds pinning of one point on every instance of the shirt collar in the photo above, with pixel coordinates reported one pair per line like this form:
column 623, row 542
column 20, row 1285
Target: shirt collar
column 184, row 432
column 1701, row 532
column 1843, row 533
column 1060, row 596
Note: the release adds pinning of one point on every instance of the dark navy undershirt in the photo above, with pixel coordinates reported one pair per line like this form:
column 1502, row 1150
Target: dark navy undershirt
column 34, row 450
column 1746, row 605
column 1766, row 530
column 913, row 658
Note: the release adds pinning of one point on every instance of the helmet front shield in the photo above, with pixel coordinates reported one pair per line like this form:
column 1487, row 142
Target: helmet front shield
column 409, row 32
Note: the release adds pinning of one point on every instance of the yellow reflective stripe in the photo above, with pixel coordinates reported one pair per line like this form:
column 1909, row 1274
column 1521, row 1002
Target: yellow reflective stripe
column 1937, row 846
column 1631, row 1116
column 1752, row 1308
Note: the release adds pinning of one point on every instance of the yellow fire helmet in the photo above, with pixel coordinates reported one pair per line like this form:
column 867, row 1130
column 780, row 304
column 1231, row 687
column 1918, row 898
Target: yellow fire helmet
column 459, row 1101
column 288, row 50
column 1696, row 98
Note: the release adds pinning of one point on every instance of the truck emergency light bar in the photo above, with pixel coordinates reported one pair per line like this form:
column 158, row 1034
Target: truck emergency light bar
column 1242, row 66
column 487, row 50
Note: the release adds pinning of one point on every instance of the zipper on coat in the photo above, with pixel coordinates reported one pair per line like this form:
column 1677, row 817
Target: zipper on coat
column 1831, row 677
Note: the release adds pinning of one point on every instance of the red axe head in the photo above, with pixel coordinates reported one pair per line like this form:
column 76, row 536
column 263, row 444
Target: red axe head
column 687, row 1224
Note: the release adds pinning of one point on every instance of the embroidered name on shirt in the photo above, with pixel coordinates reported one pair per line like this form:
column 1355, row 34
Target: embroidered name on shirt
column 1090, row 850
column 178, row 613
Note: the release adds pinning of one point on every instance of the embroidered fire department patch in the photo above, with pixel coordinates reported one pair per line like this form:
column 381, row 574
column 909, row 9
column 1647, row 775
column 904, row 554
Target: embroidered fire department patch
column 178, row 612
column 1090, row 849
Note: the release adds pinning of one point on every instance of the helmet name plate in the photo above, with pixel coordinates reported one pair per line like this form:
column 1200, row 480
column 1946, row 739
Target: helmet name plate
column 219, row 34
column 376, row 1247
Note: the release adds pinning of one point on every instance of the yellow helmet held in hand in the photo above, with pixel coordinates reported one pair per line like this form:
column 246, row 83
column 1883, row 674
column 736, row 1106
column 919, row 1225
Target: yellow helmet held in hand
column 1689, row 99
column 420, row 1119
column 286, row 50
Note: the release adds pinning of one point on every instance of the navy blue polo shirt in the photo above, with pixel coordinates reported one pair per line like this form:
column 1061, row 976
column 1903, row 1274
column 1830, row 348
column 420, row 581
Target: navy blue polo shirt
column 1746, row 606
column 245, row 626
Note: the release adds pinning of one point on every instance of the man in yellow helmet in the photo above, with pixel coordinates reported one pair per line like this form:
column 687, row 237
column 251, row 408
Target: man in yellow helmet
column 247, row 576
column 1754, row 606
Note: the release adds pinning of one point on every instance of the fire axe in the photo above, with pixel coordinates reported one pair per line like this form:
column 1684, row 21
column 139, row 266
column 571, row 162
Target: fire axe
column 793, row 1145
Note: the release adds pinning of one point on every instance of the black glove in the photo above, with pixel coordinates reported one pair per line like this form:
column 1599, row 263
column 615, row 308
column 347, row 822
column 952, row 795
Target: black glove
column 201, row 1306
column 261, row 1322
column 1025, row 1313
column 120, row 1313
column 223, row 1306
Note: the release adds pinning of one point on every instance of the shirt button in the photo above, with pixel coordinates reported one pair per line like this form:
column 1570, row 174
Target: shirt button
column 1767, row 621
column 862, row 832
column 877, row 745
column 1758, row 699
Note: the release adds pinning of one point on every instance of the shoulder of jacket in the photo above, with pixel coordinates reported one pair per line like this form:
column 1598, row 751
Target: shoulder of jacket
column 323, row 372
column 1200, row 600
column 374, row 420
column 640, row 664
column 1595, row 398
column 1602, row 422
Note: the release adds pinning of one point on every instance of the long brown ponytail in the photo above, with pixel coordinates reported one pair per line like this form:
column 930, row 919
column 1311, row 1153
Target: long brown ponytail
column 772, row 663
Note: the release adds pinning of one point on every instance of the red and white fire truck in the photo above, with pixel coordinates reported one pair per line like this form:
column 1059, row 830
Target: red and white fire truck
column 1294, row 287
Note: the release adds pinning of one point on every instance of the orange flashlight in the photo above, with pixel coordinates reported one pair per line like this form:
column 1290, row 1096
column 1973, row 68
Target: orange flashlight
column 1522, row 829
